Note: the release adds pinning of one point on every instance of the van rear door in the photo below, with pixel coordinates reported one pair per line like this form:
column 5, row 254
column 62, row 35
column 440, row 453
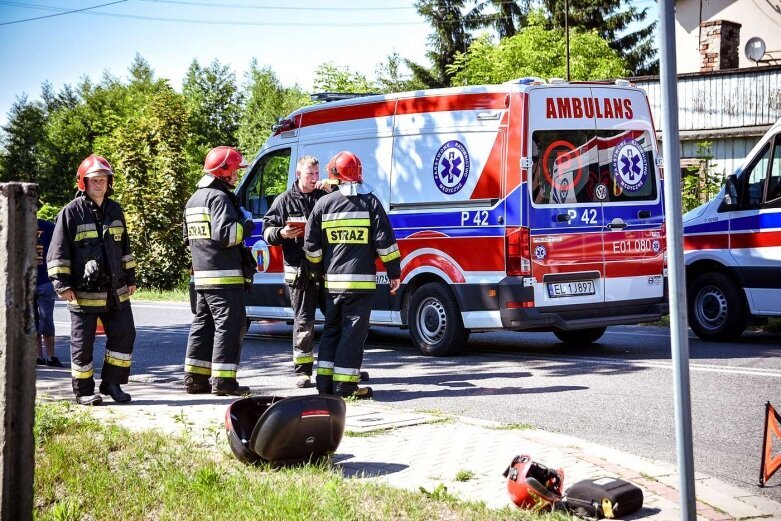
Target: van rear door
column 565, row 216
column 632, row 206
column 596, row 213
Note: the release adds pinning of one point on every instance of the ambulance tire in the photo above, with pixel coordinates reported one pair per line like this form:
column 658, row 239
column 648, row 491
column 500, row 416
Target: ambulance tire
column 434, row 320
column 580, row 336
column 717, row 310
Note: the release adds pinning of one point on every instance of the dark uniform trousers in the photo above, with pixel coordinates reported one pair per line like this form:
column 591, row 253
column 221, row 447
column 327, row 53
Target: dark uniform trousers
column 120, row 337
column 216, row 334
column 341, row 344
column 305, row 302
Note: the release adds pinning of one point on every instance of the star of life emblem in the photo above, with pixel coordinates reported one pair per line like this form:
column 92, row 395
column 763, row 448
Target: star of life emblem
column 451, row 167
column 630, row 165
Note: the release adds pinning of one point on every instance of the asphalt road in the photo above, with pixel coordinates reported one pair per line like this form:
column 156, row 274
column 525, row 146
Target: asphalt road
column 618, row 392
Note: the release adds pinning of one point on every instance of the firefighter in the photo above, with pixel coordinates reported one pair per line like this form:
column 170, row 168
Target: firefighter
column 214, row 227
column 306, row 293
column 347, row 230
column 91, row 267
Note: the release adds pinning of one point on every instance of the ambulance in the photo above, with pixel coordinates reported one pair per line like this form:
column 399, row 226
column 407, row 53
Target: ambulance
column 732, row 247
column 526, row 206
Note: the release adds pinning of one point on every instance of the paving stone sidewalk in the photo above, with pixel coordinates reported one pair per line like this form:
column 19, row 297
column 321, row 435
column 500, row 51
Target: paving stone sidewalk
column 416, row 450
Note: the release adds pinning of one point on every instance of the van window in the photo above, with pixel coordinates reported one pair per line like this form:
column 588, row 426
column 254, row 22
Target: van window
column 774, row 181
column 626, row 165
column 267, row 180
column 564, row 166
column 754, row 178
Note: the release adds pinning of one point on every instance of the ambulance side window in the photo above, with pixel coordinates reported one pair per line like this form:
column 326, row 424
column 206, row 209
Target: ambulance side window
column 754, row 184
column 773, row 197
column 565, row 165
column 268, row 180
column 626, row 165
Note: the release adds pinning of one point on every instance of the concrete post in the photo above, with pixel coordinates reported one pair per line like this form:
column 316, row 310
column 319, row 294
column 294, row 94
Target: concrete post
column 18, row 203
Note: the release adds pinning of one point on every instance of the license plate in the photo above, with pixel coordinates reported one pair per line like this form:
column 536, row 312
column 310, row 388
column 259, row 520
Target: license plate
column 571, row 289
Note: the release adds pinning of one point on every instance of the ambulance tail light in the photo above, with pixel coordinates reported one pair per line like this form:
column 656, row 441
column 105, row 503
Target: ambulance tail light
column 518, row 251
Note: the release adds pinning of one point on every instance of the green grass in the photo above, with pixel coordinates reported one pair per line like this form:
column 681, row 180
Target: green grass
column 87, row 469
column 514, row 427
column 464, row 475
column 174, row 295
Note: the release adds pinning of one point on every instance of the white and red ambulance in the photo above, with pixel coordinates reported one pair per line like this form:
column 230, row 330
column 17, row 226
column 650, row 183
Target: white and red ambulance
column 522, row 206
column 732, row 247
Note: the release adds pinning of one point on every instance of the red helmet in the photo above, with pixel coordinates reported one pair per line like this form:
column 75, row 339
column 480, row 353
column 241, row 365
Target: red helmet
column 223, row 161
column 93, row 166
column 532, row 485
column 345, row 167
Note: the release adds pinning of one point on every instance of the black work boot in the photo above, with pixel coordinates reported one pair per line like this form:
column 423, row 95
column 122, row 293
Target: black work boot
column 353, row 391
column 196, row 386
column 115, row 391
column 229, row 387
column 89, row 399
column 364, row 376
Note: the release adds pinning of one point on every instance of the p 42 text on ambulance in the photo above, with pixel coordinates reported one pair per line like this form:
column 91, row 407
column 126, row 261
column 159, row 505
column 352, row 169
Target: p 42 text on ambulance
column 732, row 247
column 524, row 206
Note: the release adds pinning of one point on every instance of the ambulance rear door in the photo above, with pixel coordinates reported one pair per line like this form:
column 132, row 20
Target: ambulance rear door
column 629, row 188
column 565, row 216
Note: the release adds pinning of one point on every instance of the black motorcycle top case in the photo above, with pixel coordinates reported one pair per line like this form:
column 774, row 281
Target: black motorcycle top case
column 604, row 497
column 299, row 429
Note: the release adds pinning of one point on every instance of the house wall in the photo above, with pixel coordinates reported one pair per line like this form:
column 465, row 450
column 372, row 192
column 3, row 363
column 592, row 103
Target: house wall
column 731, row 109
column 757, row 18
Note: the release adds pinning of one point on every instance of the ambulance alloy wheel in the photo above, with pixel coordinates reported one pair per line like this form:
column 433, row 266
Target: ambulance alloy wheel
column 717, row 310
column 435, row 321
column 580, row 336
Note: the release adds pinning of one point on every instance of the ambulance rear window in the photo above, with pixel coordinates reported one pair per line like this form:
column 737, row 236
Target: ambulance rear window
column 592, row 166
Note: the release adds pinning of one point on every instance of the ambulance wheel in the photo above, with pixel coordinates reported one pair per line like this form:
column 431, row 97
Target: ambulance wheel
column 580, row 336
column 435, row 321
column 717, row 311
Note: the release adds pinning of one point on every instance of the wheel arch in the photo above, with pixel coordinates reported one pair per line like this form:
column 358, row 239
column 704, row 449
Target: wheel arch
column 415, row 283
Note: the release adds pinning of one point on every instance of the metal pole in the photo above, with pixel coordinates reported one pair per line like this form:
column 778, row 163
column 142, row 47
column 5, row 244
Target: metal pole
column 679, row 337
column 18, row 202
column 566, row 32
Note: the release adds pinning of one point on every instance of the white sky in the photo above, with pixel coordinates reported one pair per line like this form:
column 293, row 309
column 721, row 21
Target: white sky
column 291, row 36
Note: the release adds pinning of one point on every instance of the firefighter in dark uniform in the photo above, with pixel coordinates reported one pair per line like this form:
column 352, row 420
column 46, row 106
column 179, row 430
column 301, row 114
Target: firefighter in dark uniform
column 214, row 227
column 306, row 293
column 347, row 231
column 90, row 265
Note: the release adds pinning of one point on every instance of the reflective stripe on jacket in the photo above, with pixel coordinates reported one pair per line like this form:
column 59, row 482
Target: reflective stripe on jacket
column 345, row 235
column 215, row 229
column 291, row 203
column 91, row 239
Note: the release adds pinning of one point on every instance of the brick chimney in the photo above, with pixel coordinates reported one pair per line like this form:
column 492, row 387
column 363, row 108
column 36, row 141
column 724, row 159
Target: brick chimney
column 719, row 42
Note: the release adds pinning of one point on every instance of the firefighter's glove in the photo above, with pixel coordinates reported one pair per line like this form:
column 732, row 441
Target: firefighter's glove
column 91, row 273
column 303, row 277
column 246, row 213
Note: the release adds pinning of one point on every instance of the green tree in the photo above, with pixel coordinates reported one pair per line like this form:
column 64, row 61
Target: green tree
column 266, row 100
column 23, row 136
column 330, row 77
column 612, row 19
column 536, row 51
column 213, row 101
column 391, row 76
column 505, row 16
column 449, row 37
column 149, row 159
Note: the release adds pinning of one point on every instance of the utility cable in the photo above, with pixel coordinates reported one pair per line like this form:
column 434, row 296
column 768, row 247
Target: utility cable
column 61, row 13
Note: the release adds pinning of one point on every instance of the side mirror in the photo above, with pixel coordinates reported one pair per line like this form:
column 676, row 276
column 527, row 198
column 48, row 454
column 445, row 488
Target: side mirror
column 730, row 201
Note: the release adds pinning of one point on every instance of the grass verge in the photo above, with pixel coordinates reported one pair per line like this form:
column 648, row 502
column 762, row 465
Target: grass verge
column 87, row 469
column 154, row 295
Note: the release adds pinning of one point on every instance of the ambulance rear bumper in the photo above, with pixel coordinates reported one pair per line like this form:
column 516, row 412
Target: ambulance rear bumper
column 511, row 292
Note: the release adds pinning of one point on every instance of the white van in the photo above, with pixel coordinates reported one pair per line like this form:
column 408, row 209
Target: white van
column 733, row 247
column 523, row 206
